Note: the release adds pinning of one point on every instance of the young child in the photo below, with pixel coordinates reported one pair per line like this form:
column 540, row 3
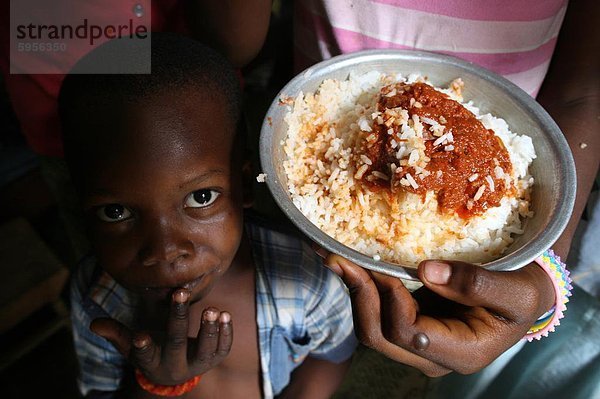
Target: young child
column 178, row 266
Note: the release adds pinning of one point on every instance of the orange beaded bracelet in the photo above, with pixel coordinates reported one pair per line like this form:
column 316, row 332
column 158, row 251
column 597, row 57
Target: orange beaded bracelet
column 165, row 390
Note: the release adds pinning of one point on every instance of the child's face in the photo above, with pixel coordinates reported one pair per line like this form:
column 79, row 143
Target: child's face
column 163, row 197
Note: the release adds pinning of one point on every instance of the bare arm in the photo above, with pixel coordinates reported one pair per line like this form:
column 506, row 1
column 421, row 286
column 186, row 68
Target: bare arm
column 571, row 94
column 315, row 379
column 176, row 358
column 132, row 390
column 235, row 27
column 467, row 315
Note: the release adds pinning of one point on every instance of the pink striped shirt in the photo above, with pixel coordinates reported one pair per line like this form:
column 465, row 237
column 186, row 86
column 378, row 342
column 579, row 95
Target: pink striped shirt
column 513, row 38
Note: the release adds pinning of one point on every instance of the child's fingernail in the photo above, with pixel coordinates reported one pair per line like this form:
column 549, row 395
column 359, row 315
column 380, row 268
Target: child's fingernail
column 437, row 272
column 210, row 315
column 181, row 296
column 225, row 317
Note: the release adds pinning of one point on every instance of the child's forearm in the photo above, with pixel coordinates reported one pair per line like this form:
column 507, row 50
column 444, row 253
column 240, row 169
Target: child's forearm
column 315, row 379
column 135, row 392
column 132, row 390
column 571, row 94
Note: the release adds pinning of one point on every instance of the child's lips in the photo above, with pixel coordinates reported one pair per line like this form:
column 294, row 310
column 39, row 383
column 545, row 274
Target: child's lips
column 167, row 291
column 190, row 285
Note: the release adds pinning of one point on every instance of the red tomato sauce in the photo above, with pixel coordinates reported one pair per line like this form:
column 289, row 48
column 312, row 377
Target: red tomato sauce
column 466, row 164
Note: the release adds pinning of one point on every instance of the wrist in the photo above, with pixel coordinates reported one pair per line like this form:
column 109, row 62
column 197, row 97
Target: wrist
column 562, row 246
column 545, row 288
column 165, row 390
column 559, row 275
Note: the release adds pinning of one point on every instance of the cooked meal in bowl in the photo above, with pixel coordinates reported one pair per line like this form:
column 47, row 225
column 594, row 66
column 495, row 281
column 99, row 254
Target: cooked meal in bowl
column 403, row 171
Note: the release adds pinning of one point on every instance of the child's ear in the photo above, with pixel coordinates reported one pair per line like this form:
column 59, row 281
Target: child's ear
column 247, row 183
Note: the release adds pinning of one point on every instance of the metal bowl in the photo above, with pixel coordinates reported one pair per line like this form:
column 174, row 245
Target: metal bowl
column 553, row 170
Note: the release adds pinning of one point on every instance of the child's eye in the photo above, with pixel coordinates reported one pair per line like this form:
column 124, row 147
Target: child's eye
column 113, row 213
column 201, row 198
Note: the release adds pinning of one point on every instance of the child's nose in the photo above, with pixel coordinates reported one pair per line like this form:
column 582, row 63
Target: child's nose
column 166, row 245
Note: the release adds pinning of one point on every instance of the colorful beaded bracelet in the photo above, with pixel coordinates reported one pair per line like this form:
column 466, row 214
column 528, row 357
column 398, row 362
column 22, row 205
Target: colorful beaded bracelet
column 561, row 281
column 165, row 390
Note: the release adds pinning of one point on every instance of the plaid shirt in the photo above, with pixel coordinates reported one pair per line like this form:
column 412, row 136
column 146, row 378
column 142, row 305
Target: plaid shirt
column 302, row 310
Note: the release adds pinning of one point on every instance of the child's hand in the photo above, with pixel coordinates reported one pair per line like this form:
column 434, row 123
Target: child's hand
column 461, row 320
column 179, row 358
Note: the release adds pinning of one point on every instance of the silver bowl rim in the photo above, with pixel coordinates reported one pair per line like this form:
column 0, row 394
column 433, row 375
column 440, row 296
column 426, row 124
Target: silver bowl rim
column 517, row 259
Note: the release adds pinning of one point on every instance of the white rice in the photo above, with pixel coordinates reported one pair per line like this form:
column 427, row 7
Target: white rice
column 325, row 130
column 261, row 177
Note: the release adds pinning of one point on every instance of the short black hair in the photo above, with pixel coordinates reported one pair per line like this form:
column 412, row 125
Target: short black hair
column 177, row 62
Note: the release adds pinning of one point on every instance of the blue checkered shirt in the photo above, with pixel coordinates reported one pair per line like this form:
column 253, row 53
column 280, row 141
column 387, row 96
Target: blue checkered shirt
column 302, row 310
